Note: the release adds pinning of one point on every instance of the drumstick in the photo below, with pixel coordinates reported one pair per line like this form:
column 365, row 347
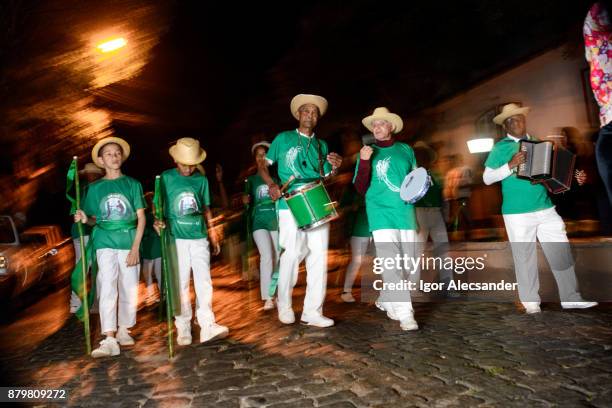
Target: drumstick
column 286, row 184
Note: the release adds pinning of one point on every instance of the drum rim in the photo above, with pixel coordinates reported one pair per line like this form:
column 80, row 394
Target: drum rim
column 302, row 188
column 421, row 193
column 320, row 222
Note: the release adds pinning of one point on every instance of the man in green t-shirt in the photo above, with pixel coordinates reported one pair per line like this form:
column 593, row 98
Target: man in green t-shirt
column 114, row 205
column 304, row 158
column 91, row 173
column 529, row 215
column 379, row 173
column 187, row 212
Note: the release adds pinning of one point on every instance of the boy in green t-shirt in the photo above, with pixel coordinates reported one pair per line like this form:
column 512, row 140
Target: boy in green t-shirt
column 379, row 173
column 529, row 215
column 187, row 199
column 114, row 205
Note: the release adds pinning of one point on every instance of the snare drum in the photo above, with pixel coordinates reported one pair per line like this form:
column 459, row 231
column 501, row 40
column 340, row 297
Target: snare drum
column 311, row 206
column 415, row 185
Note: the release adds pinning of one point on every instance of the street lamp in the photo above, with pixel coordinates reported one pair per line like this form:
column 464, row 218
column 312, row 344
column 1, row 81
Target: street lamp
column 112, row 45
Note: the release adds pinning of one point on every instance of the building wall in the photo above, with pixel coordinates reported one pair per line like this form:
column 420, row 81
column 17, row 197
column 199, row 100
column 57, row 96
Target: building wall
column 551, row 84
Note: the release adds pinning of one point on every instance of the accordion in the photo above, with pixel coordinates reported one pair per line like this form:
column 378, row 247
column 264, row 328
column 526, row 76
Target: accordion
column 547, row 163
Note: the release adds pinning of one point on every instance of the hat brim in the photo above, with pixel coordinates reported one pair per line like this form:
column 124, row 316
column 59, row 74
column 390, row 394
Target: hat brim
column 125, row 147
column 501, row 118
column 256, row 145
column 303, row 99
column 395, row 120
column 192, row 161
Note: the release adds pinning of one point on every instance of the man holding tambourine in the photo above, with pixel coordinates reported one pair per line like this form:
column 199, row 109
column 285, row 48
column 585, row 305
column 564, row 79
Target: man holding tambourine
column 380, row 172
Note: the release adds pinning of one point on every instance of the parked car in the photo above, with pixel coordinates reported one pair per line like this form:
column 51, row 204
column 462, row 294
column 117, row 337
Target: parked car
column 39, row 256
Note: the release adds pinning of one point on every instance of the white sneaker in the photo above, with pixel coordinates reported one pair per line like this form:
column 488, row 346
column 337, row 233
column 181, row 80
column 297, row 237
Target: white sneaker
column 317, row 321
column 123, row 337
column 347, row 297
column 183, row 334
column 531, row 307
column 212, row 332
column 286, row 317
column 409, row 323
column 578, row 305
column 268, row 305
column 108, row 347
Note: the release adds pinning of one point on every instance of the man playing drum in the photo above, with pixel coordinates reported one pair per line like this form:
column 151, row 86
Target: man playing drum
column 379, row 173
column 303, row 158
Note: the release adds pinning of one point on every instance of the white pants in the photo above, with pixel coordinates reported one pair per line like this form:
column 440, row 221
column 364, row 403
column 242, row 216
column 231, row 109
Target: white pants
column 150, row 266
column 194, row 254
column 310, row 245
column 431, row 223
column 359, row 247
column 267, row 245
column 117, row 288
column 548, row 227
column 390, row 243
column 75, row 300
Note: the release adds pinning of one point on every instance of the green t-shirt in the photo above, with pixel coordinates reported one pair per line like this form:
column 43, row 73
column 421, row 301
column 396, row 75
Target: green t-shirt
column 150, row 246
column 385, row 208
column 185, row 198
column 433, row 197
column 354, row 206
column 298, row 155
column 263, row 210
column 112, row 201
column 518, row 195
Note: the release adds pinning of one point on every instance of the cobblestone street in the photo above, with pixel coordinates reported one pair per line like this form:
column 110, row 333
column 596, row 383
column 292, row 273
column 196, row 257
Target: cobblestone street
column 465, row 354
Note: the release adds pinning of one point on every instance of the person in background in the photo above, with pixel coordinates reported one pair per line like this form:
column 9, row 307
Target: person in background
column 264, row 223
column 151, row 254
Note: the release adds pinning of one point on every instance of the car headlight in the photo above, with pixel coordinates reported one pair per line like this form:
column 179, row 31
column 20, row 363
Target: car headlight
column 3, row 262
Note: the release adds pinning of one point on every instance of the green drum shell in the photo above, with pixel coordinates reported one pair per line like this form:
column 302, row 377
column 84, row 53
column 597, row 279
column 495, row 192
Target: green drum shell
column 311, row 206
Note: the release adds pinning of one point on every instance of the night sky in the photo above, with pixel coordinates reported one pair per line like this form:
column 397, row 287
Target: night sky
column 224, row 72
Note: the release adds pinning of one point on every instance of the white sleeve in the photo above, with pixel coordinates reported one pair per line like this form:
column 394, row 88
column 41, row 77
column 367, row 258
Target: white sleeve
column 491, row 176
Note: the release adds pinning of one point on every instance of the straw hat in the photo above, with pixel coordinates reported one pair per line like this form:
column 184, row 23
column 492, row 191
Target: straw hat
column 187, row 151
column 433, row 156
column 91, row 168
column 508, row 110
column 125, row 147
column 256, row 145
column 383, row 113
column 302, row 99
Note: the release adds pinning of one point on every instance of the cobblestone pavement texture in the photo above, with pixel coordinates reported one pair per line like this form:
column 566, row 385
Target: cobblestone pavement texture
column 465, row 354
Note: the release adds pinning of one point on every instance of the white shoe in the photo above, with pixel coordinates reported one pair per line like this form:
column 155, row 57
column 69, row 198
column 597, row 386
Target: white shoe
column 123, row 337
column 212, row 332
column 409, row 323
column 347, row 297
column 531, row 307
column 108, row 347
column 317, row 321
column 286, row 317
column 583, row 304
column 268, row 305
column 183, row 334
